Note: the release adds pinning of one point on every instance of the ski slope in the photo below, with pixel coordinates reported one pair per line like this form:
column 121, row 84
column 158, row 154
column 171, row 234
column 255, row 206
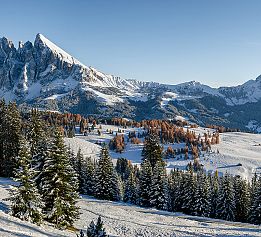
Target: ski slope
column 123, row 220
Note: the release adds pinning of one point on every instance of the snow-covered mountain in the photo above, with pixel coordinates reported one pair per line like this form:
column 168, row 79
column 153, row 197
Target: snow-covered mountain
column 42, row 74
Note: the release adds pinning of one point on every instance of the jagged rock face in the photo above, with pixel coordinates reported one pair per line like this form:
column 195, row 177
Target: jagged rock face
column 42, row 75
column 9, row 68
column 40, row 62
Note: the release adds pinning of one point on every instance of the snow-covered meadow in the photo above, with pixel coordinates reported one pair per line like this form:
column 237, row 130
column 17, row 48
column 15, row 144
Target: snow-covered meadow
column 123, row 220
column 238, row 153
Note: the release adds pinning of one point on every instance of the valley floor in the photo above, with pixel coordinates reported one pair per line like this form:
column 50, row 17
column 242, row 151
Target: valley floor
column 124, row 220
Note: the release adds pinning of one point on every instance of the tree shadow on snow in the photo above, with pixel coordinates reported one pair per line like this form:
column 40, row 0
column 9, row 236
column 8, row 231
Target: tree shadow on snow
column 27, row 227
column 4, row 207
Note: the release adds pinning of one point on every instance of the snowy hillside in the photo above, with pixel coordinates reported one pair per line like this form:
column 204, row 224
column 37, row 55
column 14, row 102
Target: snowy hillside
column 124, row 220
column 234, row 149
column 249, row 92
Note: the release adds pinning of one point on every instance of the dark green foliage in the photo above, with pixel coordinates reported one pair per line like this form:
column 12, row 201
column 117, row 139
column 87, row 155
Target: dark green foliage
column 152, row 150
column 123, row 168
column 242, row 199
column 159, row 195
column 96, row 230
column 10, row 135
column 226, row 199
column 25, row 200
column 107, row 184
column 145, row 181
column 80, row 168
column 188, row 192
column 201, row 205
column 37, row 135
column 131, row 192
column 255, row 209
column 214, row 188
column 59, row 185
column 175, row 200
column 90, row 176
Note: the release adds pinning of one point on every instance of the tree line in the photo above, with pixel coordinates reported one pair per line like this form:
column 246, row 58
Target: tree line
column 150, row 185
column 35, row 155
column 50, row 176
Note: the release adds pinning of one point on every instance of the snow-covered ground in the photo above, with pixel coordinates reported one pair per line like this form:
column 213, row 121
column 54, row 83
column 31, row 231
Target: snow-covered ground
column 234, row 149
column 124, row 220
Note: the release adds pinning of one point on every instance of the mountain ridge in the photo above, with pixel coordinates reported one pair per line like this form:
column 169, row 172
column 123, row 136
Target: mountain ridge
column 44, row 75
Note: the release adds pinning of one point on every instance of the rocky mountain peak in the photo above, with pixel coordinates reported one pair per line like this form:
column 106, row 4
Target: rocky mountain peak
column 44, row 75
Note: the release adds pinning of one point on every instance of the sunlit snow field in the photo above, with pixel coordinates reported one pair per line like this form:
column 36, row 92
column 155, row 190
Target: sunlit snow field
column 234, row 149
column 124, row 220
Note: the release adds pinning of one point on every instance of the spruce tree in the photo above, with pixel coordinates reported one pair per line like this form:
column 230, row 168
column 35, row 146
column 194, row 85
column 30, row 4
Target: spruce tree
column 255, row 209
column 214, row 188
column 81, row 167
column 106, row 179
column 159, row 196
column 72, row 158
column 152, row 150
column 188, row 192
column 145, row 184
column 60, row 185
column 90, row 176
column 37, row 136
column 201, row 205
column 130, row 192
column 96, row 230
column 11, row 125
column 242, row 199
column 175, row 190
column 3, row 111
column 226, row 199
column 123, row 168
column 25, row 199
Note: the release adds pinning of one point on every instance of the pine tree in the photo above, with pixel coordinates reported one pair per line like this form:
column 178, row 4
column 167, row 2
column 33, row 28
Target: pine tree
column 72, row 158
column 152, row 150
column 10, row 136
column 59, row 185
column 159, row 197
column 106, row 179
column 130, row 192
column 187, row 192
column 96, row 230
column 214, row 188
column 81, row 234
column 226, row 199
column 90, row 176
column 2, row 135
column 242, row 199
column 201, row 206
column 255, row 209
column 123, row 168
column 25, row 199
column 38, row 144
column 81, row 170
column 145, row 184
column 175, row 190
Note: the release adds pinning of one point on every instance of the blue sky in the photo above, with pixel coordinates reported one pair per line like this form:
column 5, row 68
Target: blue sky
column 214, row 42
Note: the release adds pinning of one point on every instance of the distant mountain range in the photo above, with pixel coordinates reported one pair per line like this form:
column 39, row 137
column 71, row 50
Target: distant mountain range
column 42, row 75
